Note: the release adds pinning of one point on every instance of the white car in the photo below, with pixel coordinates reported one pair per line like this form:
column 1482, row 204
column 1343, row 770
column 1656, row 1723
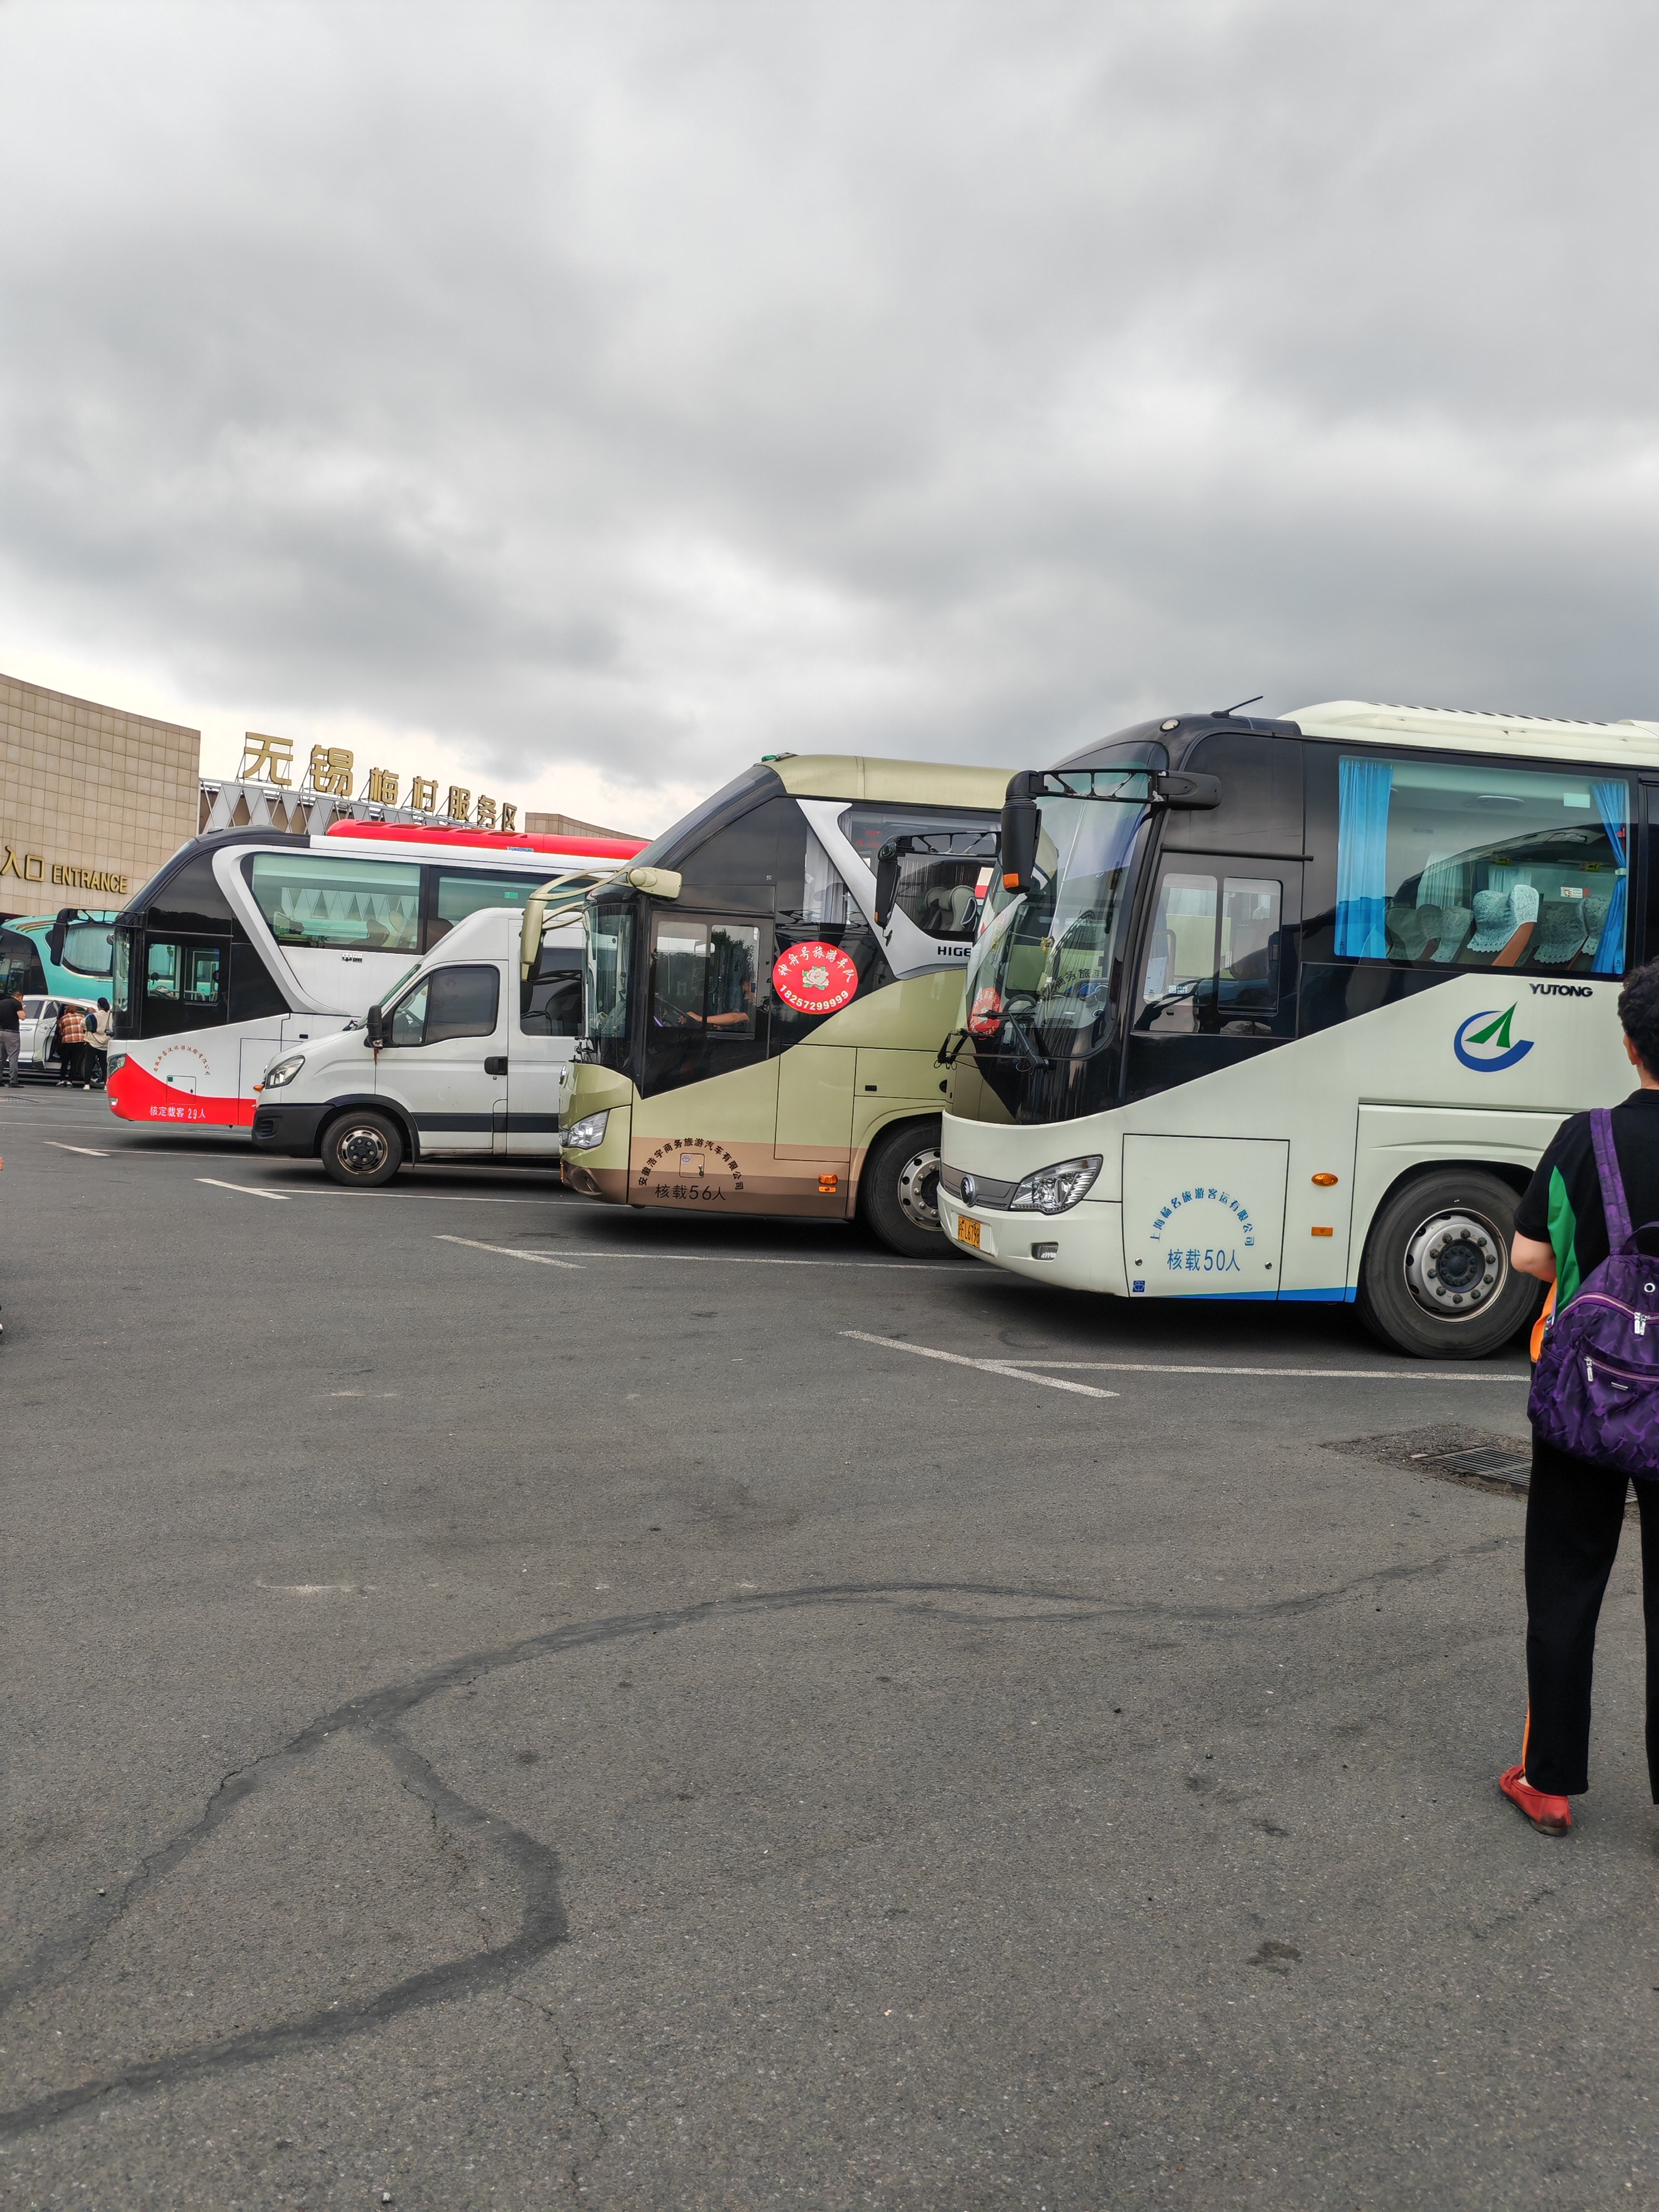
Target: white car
column 38, row 1026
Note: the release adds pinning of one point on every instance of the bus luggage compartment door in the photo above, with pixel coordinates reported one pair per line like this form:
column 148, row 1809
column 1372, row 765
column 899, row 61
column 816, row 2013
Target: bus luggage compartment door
column 1204, row 1217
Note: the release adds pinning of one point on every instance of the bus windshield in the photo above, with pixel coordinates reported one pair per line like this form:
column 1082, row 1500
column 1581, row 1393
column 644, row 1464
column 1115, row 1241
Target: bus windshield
column 1040, row 980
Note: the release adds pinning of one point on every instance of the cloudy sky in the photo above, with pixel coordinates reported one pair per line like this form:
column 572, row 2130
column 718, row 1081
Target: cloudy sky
column 581, row 400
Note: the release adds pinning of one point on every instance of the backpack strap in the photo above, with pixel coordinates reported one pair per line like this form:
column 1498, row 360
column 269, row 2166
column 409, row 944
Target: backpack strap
column 1613, row 1204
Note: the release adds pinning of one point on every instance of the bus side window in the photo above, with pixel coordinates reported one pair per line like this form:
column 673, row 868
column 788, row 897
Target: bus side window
column 1212, row 961
column 704, row 976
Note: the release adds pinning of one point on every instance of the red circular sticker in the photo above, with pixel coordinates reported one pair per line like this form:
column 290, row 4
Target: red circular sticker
column 814, row 978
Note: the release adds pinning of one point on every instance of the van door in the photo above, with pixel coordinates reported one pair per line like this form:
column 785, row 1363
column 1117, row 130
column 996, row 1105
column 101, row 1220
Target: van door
column 545, row 1040
column 445, row 1057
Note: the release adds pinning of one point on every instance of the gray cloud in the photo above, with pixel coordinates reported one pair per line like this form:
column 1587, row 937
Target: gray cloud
column 651, row 386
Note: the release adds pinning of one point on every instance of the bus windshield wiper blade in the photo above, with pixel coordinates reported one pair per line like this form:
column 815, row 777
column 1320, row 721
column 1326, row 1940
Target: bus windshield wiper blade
column 1024, row 1038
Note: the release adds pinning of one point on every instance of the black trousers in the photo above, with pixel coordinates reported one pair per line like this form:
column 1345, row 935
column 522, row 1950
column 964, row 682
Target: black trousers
column 1575, row 1514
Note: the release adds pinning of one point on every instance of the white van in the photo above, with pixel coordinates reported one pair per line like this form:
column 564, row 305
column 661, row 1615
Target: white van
column 465, row 1059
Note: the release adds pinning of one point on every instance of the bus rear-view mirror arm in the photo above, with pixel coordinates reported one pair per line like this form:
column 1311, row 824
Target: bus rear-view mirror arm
column 1022, row 818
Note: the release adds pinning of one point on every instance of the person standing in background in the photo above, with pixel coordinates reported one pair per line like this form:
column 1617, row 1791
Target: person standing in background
column 11, row 1013
column 71, row 1047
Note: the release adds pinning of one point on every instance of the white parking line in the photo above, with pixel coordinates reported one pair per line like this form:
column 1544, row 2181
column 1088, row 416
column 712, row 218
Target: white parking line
column 726, row 1259
column 1331, row 1373
column 90, row 1151
column 510, row 1252
column 248, row 1190
column 985, row 1366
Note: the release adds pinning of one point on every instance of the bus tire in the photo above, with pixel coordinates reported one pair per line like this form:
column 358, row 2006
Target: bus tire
column 363, row 1148
column 1436, row 1281
column 898, row 1189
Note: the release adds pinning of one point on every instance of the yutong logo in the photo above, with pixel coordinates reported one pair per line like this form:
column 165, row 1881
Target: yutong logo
column 1489, row 1050
column 1559, row 991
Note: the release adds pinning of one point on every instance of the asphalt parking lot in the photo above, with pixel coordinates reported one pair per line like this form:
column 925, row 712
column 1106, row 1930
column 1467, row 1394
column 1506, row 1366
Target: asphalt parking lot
column 510, row 1702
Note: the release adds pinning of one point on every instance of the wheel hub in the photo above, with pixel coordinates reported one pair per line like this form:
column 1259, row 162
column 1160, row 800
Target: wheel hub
column 918, row 1188
column 1455, row 1264
column 363, row 1150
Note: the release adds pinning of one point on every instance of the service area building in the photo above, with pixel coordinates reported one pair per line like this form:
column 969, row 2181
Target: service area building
column 92, row 799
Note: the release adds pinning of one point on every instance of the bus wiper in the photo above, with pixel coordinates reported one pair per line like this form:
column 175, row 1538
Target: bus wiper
column 1023, row 1039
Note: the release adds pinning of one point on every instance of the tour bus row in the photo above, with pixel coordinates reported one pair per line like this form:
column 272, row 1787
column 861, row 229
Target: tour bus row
column 1222, row 1006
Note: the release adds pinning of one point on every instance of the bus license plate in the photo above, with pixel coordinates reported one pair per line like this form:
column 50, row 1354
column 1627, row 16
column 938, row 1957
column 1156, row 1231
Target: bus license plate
column 967, row 1231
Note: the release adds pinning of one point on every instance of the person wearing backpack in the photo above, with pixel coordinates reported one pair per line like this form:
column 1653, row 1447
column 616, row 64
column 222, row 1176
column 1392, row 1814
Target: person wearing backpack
column 1595, row 1413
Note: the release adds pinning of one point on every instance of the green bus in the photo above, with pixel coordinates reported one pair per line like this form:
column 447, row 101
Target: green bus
column 767, row 990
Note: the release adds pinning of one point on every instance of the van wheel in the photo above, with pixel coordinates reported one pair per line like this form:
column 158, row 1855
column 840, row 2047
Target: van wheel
column 362, row 1149
column 898, row 1190
column 1436, row 1281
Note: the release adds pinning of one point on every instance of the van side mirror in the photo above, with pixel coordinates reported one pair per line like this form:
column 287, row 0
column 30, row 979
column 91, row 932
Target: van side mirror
column 887, row 876
column 376, row 1021
column 1021, row 821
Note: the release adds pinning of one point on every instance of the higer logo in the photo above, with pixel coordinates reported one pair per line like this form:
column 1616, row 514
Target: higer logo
column 1489, row 1049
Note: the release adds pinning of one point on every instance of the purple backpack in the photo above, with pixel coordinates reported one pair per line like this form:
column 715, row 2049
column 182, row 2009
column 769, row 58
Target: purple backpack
column 1595, row 1392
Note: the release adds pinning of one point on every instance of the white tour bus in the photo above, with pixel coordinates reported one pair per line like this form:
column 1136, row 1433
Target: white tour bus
column 254, row 941
column 1290, row 1009
column 466, row 1059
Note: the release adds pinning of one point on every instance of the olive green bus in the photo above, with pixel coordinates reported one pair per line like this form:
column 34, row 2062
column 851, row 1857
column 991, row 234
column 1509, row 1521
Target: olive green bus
column 767, row 990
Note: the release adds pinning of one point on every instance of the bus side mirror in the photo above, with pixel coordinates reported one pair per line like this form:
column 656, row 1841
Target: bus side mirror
column 887, row 876
column 1021, row 821
column 656, row 882
column 1185, row 788
column 376, row 1022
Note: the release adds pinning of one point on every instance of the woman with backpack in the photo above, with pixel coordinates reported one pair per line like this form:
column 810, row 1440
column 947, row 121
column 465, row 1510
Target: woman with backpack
column 1595, row 1411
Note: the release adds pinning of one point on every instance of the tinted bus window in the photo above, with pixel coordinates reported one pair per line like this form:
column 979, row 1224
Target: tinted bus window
column 455, row 895
column 703, row 976
column 1472, row 865
column 21, row 968
column 312, row 900
column 551, row 1001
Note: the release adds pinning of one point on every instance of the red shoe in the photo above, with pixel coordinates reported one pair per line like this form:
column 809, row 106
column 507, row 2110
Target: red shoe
column 1551, row 1816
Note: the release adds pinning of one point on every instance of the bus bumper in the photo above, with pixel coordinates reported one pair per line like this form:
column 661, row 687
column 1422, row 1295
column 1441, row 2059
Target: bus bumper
column 1079, row 1250
column 290, row 1131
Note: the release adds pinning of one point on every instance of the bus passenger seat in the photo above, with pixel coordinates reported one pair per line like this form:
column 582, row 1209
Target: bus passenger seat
column 1453, row 928
column 1524, row 906
column 1560, row 932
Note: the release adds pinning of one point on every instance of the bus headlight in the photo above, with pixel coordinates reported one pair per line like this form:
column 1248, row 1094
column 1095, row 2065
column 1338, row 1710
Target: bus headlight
column 116, row 1060
column 284, row 1072
column 1053, row 1190
column 584, row 1135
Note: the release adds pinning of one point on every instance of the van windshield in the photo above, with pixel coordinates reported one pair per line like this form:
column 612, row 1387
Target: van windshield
column 1041, row 977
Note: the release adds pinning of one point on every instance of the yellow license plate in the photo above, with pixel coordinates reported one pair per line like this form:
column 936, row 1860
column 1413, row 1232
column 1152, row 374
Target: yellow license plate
column 967, row 1231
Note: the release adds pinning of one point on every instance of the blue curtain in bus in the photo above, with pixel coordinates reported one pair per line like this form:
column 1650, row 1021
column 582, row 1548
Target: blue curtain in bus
column 1362, row 859
column 1613, row 799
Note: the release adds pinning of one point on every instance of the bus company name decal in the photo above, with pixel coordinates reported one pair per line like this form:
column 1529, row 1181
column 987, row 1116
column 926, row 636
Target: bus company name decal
column 815, row 979
column 680, row 1170
column 1208, row 1259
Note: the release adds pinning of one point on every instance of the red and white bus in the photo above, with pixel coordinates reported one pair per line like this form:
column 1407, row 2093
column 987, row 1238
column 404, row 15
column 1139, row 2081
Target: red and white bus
column 246, row 943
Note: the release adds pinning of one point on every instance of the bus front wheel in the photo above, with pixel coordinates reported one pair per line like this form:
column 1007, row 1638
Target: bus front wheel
column 898, row 1189
column 1436, row 1281
column 362, row 1149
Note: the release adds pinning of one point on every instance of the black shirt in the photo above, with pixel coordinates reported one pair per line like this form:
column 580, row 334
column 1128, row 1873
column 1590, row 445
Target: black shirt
column 11, row 1011
column 1563, row 1203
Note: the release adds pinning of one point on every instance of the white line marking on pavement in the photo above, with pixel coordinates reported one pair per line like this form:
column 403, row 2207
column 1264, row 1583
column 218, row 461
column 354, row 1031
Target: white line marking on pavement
column 247, row 1188
column 1332, row 1374
column 90, row 1151
column 985, row 1366
column 510, row 1252
column 723, row 1258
